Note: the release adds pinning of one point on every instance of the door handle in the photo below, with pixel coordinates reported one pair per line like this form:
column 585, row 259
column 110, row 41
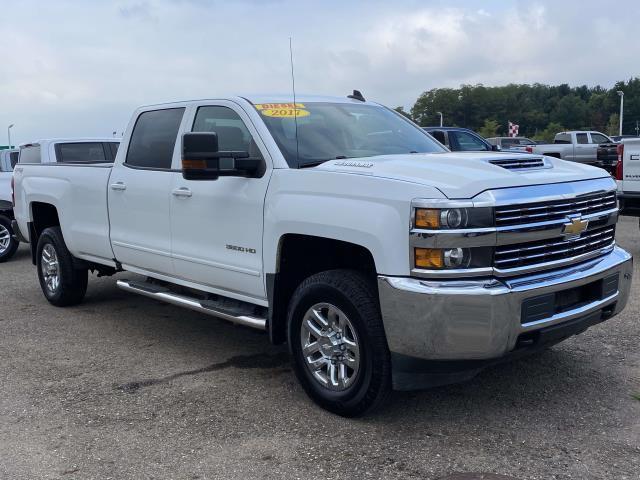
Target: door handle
column 182, row 192
column 118, row 186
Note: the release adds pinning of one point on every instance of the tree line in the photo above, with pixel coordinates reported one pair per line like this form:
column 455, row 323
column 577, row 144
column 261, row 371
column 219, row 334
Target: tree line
column 540, row 110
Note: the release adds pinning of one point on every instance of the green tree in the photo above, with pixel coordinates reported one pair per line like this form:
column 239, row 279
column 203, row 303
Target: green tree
column 613, row 126
column 489, row 129
column 401, row 111
column 570, row 110
column 548, row 134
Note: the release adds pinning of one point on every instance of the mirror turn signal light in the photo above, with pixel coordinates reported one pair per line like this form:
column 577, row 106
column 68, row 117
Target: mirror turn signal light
column 428, row 257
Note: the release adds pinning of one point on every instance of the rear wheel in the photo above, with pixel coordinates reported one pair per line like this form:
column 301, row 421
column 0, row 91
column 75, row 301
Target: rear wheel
column 8, row 244
column 61, row 283
column 338, row 344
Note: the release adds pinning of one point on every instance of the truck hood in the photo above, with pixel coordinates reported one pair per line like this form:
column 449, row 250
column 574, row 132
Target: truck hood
column 464, row 174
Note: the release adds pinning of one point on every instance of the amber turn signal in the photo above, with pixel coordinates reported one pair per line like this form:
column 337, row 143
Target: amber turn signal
column 427, row 218
column 428, row 258
column 194, row 164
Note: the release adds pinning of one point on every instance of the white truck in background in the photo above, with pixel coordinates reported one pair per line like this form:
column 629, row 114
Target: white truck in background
column 8, row 244
column 576, row 146
column 627, row 176
column 336, row 225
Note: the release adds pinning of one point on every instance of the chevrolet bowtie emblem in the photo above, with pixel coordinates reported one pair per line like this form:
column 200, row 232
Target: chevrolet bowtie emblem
column 575, row 227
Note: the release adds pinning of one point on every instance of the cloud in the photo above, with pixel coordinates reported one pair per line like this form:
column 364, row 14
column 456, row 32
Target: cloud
column 80, row 68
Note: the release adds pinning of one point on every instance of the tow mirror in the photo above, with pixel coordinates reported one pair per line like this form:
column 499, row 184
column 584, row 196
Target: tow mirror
column 202, row 160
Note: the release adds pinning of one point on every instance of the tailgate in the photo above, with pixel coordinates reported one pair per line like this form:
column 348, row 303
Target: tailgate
column 631, row 166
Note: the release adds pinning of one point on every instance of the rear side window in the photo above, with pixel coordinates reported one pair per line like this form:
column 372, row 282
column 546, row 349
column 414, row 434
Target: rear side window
column 81, row 152
column 13, row 158
column 154, row 138
column 113, row 146
column 30, row 154
column 582, row 138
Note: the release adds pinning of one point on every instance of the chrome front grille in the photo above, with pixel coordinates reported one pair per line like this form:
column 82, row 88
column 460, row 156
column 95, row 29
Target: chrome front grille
column 554, row 210
column 553, row 249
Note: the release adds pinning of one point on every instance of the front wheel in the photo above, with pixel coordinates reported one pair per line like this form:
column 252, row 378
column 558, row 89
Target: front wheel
column 8, row 244
column 337, row 342
column 61, row 283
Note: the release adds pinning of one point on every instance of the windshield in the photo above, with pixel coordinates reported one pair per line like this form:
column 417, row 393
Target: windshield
column 327, row 131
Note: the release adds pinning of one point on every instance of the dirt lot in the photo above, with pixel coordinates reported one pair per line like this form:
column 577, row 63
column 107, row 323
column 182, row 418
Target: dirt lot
column 123, row 387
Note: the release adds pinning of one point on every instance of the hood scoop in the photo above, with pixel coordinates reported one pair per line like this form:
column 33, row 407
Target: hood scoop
column 522, row 163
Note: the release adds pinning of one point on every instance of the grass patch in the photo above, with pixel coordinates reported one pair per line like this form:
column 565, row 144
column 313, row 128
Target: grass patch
column 636, row 396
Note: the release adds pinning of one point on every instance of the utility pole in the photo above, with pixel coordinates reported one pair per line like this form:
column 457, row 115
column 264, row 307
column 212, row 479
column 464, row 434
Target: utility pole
column 9, row 134
column 621, row 93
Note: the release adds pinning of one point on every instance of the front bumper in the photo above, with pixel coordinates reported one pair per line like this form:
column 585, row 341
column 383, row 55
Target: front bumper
column 473, row 323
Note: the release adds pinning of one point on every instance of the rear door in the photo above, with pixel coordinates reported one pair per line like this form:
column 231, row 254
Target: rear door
column 217, row 225
column 139, row 192
column 583, row 149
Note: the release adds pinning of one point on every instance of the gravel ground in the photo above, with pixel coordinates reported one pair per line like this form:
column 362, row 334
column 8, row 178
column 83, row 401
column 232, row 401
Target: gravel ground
column 123, row 387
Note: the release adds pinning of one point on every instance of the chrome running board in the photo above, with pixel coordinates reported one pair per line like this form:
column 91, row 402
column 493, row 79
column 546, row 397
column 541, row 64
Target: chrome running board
column 215, row 308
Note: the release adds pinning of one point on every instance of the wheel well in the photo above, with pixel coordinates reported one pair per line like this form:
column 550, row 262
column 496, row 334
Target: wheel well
column 299, row 257
column 555, row 155
column 43, row 215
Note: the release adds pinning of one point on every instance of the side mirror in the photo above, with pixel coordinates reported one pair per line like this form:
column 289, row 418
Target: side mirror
column 201, row 159
column 495, row 148
column 200, row 156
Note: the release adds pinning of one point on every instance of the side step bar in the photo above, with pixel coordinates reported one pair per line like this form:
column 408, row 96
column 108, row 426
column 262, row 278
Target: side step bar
column 208, row 307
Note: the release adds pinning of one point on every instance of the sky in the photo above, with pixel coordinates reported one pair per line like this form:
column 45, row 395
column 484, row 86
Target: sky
column 79, row 68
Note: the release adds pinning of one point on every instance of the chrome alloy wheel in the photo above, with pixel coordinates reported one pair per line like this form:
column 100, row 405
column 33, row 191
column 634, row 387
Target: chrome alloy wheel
column 5, row 239
column 330, row 346
column 50, row 268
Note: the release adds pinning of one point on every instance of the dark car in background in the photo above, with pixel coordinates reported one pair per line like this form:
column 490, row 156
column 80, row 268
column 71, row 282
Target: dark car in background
column 459, row 139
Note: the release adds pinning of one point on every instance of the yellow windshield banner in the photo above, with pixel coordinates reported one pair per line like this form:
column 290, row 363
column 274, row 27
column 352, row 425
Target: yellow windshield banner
column 282, row 110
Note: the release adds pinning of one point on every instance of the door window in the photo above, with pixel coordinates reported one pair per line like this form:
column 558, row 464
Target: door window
column 233, row 134
column 154, row 138
column 599, row 138
column 581, row 138
column 468, row 142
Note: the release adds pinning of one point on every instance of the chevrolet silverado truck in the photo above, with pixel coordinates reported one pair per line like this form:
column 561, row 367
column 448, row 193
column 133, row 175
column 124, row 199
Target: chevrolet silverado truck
column 8, row 243
column 575, row 146
column 341, row 228
column 627, row 176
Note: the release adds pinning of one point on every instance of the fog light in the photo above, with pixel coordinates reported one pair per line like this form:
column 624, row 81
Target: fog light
column 428, row 258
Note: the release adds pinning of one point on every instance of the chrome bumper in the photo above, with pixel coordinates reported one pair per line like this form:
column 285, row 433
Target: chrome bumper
column 481, row 319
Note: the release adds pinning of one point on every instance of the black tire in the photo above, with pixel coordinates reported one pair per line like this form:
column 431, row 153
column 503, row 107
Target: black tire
column 10, row 250
column 356, row 297
column 72, row 284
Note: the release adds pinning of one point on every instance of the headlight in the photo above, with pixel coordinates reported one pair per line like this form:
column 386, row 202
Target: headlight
column 452, row 258
column 453, row 218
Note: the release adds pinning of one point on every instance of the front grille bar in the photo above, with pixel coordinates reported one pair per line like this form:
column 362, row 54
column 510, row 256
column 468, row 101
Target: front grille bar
column 553, row 249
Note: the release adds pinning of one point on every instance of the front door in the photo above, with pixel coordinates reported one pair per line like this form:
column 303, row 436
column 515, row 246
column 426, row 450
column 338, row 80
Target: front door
column 139, row 193
column 217, row 225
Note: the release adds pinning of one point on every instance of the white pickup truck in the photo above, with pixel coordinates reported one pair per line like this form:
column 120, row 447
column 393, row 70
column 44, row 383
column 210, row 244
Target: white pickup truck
column 576, row 146
column 8, row 244
column 340, row 227
column 628, row 176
